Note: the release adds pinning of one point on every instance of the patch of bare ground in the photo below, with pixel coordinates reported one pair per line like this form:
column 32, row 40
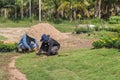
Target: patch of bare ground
column 13, row 34
column 14, row 73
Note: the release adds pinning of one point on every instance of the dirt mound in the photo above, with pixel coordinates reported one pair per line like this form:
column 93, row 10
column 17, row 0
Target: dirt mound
column 45, row 28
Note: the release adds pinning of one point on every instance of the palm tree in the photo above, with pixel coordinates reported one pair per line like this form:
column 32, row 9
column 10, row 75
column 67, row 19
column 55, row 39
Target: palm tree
column 105, row 8
column 74, row 7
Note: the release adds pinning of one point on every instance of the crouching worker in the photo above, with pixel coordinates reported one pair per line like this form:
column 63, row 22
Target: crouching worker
column 27, row 43
column 49, row 45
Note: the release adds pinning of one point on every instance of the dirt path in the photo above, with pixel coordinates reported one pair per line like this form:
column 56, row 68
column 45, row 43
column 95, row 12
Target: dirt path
column 13, row 34
column 14, row 73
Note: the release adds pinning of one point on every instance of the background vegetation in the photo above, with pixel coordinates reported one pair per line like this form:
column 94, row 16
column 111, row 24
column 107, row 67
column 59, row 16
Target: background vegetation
column 59, row 9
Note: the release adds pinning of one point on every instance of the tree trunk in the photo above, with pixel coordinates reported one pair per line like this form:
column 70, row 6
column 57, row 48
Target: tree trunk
column 5, row 12
column 39, row 10
column 99, row 9
column 15, row 11
column 21, row 9
column 71, row 15
column 74, row 15
column 30, row 8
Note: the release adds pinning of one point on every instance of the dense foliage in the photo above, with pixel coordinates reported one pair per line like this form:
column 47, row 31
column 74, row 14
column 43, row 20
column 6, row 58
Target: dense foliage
column 114, row 20
column 108, row 43
column 56, row 9
column 7, row 47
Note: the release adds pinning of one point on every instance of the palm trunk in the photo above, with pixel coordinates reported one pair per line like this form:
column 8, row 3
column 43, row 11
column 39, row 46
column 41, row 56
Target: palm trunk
column 99, row 9
column 39, row 10
column 21, row 9
column 15, row 11
column 71, row 13
column 30, row 8
column 74, row 14
column 5, row 12
column 71, row 18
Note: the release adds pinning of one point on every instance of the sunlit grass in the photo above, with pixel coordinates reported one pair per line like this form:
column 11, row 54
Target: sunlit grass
column 81, row 64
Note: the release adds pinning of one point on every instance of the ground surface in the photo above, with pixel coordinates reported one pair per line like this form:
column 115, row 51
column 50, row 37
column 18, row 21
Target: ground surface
column 14, row 73
column 13, row 34
column 67, row 41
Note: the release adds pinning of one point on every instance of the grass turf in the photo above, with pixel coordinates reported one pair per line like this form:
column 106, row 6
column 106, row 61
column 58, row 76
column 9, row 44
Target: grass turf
column 81, row 64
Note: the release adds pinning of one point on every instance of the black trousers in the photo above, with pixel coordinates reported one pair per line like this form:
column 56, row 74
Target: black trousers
column 52, row 51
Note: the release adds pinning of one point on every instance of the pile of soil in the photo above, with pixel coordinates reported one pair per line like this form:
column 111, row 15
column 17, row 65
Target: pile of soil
column 67, row 40
column 44, row 28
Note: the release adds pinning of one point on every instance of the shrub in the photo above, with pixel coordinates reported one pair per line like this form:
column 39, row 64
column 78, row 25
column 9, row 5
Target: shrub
column 96, row 20
column 114, row 20
column 84, row 29
column 7, row 47
column 108, row 43
column 98, row 44
column 113, row 29
column 117, row 44
column 81, row 30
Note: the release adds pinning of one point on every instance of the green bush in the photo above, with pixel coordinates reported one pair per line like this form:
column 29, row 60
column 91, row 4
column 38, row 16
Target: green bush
column 113, row 29
column 96, row 20
column 117, row 44
column 98, row 44
column 114, row 20
column 7, row 47
column 108, row 43
column 82, row 30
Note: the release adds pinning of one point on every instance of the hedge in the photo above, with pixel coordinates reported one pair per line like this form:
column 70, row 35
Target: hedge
column 7, row 47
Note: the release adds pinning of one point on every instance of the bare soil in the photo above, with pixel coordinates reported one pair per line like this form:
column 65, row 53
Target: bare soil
column 44, row 28
column 13, row 34
column 14, row 73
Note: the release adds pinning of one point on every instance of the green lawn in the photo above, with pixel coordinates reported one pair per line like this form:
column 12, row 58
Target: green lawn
column 20, row 23
column 81, row 64
column 97, row 35
column 64, row 26
column 4, row 60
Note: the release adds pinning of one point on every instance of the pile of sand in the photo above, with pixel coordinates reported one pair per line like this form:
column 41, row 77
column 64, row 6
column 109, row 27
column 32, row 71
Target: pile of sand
column 44, row 28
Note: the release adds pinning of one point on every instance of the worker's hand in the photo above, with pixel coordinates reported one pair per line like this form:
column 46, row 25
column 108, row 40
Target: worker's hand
column 39, row 52
column 30, row 49
column 36, row 49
